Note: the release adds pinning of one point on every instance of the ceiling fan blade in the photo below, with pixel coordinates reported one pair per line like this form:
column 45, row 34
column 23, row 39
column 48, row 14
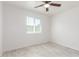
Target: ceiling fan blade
column 40, row 5
column 47, row 9
column 46, row 1
column 54, row 4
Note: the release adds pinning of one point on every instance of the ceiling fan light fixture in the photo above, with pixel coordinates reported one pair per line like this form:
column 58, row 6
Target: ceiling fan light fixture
column 46, row 5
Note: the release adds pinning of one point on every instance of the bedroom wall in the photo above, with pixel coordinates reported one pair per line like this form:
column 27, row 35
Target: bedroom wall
column 15, row 35
column 1, row 28
column 65, row 28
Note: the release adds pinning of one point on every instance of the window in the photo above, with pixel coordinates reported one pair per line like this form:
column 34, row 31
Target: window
column 33, row 25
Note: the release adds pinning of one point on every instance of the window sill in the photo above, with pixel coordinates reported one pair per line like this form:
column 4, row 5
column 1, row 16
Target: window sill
column 33, row 32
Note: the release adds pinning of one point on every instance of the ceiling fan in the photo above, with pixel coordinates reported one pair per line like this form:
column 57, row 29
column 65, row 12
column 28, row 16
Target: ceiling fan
column 47, row 4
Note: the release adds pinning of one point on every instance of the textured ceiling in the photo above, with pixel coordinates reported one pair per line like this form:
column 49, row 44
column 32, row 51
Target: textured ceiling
column 66, row 5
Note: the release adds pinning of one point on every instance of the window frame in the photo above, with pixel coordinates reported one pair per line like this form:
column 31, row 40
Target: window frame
column 34, row 25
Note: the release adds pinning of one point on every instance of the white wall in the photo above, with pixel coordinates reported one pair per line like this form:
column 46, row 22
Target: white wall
column 15, row 35
column 65, row 28
column 0, row 28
